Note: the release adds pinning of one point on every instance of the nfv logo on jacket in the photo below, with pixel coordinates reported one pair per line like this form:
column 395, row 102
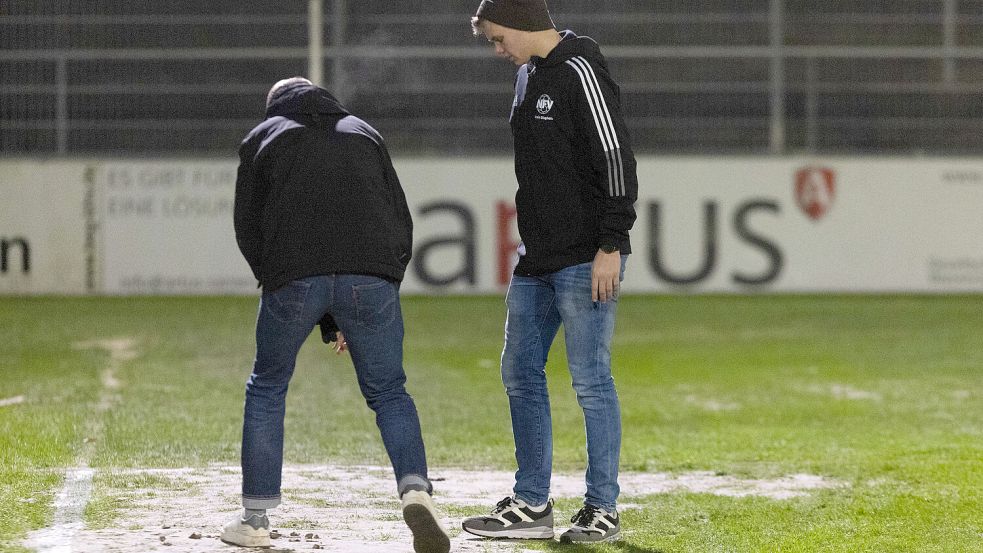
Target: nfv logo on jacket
column 543, row 105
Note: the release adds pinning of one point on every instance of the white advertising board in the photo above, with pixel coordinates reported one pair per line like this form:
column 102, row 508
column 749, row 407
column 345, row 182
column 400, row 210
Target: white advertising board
column 704, row 225
column 45, row 243
column 167, row 228
column 801, row 225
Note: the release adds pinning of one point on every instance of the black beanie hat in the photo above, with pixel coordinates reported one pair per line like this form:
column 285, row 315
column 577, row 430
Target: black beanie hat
column 522, row 15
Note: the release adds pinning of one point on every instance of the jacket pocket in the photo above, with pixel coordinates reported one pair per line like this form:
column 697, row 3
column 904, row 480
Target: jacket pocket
column 286, row 303
column 375, row 304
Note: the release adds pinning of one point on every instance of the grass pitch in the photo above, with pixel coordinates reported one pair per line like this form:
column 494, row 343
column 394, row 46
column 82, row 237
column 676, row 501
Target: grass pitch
column 881, row 393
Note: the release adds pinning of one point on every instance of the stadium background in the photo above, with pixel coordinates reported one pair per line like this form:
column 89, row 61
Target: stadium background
column 699, row 77
column 783, row 146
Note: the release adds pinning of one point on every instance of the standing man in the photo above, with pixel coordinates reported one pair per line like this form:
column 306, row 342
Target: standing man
column 577, row 187
column 321, row 218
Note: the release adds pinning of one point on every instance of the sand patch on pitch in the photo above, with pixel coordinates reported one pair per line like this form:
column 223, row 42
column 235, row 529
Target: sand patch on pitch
column 353, row 509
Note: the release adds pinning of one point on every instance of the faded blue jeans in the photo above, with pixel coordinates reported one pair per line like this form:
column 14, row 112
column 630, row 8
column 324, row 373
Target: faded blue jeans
column 537, row 306
column 367, row 310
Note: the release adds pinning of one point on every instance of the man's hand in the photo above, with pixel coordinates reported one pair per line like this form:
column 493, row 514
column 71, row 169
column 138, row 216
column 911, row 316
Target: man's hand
column 605, row 276
column 340, row 345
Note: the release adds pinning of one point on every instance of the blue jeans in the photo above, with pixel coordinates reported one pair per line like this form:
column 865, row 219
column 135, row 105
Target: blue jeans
column 367, row 310
column 537, row 306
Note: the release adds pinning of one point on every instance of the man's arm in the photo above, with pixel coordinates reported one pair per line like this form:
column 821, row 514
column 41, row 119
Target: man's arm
column 250, row 197
column 599, row 118
column 403, row 219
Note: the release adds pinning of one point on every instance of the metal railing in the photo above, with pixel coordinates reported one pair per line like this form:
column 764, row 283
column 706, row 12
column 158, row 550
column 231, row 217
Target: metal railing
column 800, row 97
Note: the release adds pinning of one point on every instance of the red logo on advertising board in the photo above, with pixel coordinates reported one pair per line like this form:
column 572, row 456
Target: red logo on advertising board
column 815, row 188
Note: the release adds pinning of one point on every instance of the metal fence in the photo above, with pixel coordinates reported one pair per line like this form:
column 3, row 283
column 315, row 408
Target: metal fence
column 114, row 77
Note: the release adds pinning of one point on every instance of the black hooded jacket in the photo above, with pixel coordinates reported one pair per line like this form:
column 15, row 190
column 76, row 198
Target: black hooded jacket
column 573, row 159
column 316, row 193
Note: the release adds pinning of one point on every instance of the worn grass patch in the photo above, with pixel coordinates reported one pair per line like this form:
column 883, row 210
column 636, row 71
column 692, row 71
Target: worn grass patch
column 883, row 393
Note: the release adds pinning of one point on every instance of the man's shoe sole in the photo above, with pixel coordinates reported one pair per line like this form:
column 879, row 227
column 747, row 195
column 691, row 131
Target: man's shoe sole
column 428, row 536
column 613, row 537
column 242, row 540
column 525, row 534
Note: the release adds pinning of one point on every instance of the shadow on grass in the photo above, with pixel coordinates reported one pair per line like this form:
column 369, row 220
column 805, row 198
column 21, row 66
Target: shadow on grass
column 616, row 545
column 553, row 545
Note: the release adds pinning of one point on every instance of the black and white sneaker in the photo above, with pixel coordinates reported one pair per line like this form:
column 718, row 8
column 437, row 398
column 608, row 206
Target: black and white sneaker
column 513, row 518
column 591, row 525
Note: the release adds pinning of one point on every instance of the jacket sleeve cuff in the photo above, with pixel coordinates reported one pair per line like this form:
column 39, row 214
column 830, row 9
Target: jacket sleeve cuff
column 612, row 239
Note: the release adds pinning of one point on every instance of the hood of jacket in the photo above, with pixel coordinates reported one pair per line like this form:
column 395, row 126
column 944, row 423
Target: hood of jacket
column 572, row 45
column 304, row 99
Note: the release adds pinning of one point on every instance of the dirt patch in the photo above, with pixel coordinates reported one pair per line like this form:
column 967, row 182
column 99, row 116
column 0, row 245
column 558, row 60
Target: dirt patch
column 354, row 509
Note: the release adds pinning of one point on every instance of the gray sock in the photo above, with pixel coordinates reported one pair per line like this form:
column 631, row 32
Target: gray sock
column 255, row 518
column 413, row 482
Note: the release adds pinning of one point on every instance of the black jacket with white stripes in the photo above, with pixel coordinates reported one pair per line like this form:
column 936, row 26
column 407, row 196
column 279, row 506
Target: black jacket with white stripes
column 317, row 194
column 573, row 159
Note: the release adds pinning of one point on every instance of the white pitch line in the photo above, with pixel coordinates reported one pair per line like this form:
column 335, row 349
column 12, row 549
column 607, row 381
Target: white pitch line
column 69, row 508
column 71, row 501
column 11, row 401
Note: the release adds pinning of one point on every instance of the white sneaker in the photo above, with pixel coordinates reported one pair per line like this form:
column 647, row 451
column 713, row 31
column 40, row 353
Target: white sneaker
column 421, row 516
column 251, row 532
